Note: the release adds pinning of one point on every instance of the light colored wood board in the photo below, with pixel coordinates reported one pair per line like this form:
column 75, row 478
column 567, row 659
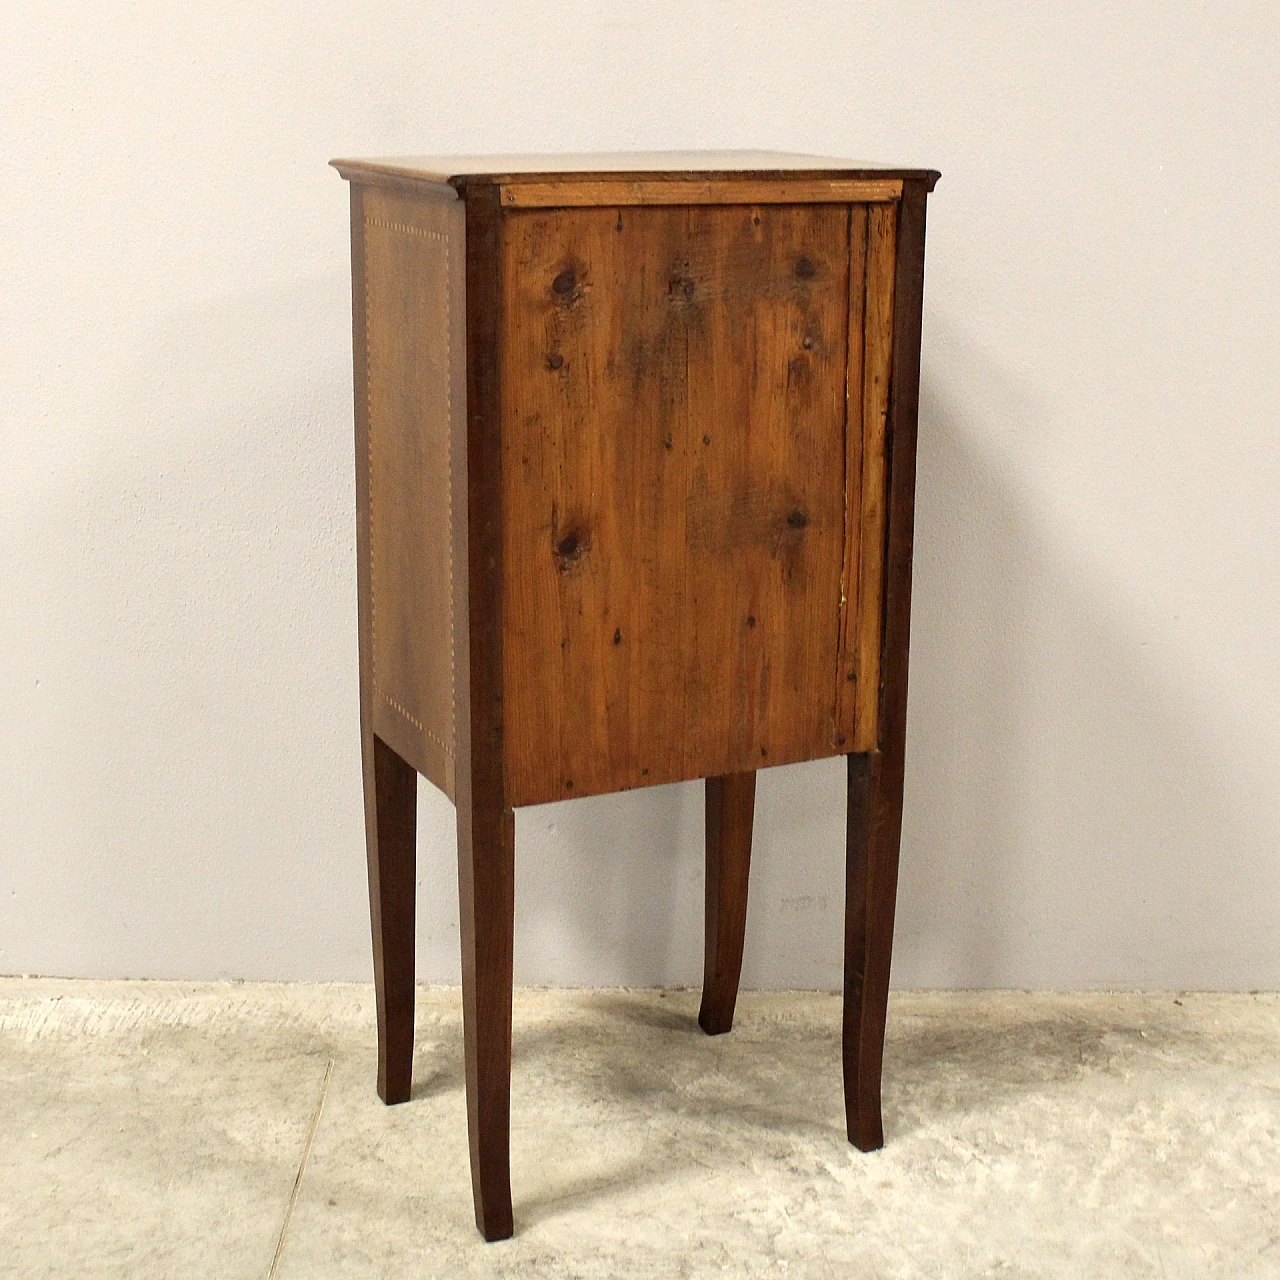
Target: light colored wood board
column 878, row 359
column 535, row 195
column 767, row 346
column 412, row 329
column 593, row 375
column 663, row 419
column 846, row 666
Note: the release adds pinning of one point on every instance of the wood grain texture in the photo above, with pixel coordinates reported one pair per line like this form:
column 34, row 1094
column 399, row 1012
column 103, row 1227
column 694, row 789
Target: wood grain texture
column 390, row 783
column 678, row 503
column 872, row 494
column 391, row 799
column 730, row 815
column 876, row 778
column 409, row 395
column 673, row 392
column 846, row 662
column 621, row 166
column 691, row 191
column 486, row 824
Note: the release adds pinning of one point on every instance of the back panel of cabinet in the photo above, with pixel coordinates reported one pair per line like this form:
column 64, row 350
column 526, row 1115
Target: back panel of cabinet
column 683, row 507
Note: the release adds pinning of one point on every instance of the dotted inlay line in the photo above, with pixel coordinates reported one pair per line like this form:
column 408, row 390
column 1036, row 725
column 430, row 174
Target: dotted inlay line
column 448, row 472
column 409, row 229
column 441, row 238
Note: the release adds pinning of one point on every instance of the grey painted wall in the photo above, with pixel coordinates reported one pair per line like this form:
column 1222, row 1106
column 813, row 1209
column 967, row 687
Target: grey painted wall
column 1094, row 736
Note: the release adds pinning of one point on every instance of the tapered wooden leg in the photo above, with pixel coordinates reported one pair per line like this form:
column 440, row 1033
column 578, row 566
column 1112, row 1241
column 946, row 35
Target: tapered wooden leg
column 486, row 886
column 875, row 777
column 486, row 824
column 731, row 804
column 871, row 885
column 391, row 800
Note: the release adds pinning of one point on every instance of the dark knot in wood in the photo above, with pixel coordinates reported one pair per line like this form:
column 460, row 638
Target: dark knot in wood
column 555, row 361
column 797, row 519
column 564, row 284
column 805, row 270
column 681, row 288
column 569, row 550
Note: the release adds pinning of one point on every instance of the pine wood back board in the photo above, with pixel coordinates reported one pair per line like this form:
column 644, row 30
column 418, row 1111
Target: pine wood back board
column 693, row 400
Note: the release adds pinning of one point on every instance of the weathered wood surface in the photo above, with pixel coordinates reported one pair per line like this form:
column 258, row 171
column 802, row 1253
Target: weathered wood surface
column 669, row 538
column 673, row 386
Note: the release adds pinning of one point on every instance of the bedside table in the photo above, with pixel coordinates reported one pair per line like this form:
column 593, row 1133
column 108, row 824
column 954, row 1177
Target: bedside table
column 635, row 445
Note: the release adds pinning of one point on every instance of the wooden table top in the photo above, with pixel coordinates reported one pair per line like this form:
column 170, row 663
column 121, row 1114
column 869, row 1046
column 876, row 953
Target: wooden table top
column 540, row 166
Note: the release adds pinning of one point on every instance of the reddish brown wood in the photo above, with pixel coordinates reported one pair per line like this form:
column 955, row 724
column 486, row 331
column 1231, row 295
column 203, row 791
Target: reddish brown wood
column 673, row 540
column 877, row 370
column 731, row 806
column 688, row 168
column 486, row 883
column 486, row 824
column 561, row 194
column 876, row 777
column 866, row 950
column 765, row 506
column 594, row 484
column 846, row 664
column 391, row 797
column 677, row 503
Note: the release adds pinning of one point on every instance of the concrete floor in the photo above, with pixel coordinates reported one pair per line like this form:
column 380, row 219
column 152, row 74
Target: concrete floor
column 227, row 1130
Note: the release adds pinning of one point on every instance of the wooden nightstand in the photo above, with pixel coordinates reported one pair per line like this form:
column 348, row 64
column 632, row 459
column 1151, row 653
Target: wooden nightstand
column 635, row 444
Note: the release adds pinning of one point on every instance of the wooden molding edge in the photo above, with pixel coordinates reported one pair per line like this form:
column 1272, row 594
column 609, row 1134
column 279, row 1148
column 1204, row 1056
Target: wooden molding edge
column 552, row 195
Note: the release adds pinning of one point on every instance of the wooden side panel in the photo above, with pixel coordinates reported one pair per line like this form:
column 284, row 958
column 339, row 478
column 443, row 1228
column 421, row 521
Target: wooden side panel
column 411, row 401
column 673, row 478
column 863, row 611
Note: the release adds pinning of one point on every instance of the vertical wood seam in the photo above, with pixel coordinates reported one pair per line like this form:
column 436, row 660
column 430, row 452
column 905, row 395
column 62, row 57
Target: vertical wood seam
column 690, row 615
column 837, row 700
column 901, row 437
column 448, row 470
column 846, row 698
column 873, row 549
column 878, row 692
